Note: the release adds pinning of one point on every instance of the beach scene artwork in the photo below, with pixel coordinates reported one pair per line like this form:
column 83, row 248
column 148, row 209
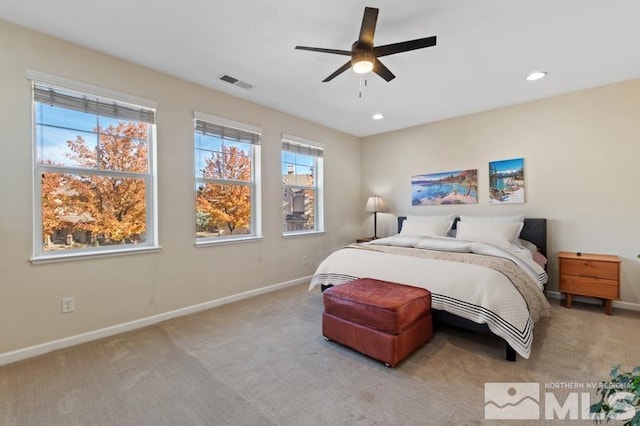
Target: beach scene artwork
column 506, row 181
column 459, row 187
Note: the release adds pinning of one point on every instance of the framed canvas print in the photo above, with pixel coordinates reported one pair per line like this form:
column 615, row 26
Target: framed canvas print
column 506, row 181
column 457, row 187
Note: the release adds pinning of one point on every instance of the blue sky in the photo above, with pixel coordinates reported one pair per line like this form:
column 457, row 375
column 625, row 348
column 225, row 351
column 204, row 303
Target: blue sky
column 303, row 164
column 69, row 124
column 506, row 165
column 434, row 176
column 207, row 145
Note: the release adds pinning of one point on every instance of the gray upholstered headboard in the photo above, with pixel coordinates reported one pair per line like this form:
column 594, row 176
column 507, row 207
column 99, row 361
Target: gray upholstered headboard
column 534, row 230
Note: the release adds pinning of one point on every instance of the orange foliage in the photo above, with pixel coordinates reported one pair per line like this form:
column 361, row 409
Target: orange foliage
column 113, row 208
column 53, row 204
column 226, row 204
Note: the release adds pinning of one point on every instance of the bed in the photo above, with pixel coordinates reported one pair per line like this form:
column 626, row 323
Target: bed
column 475, row 285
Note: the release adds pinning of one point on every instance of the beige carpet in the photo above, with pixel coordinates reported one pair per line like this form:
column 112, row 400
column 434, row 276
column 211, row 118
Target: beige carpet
column 263, row 361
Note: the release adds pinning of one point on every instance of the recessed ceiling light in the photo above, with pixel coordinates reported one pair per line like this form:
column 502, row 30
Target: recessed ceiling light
column 377, row 116
column 536, row 75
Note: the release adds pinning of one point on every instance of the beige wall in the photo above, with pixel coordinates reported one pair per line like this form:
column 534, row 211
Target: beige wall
column 115, row 290
column 581, row 163
column 581, row 154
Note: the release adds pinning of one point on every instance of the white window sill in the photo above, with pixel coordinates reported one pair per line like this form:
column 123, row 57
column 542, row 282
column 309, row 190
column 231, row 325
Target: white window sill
column 302, row 234
column 217, row 242
column 73, row 256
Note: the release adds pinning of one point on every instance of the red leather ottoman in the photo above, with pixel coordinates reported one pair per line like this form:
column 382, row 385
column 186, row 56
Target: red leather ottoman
column 384, row 320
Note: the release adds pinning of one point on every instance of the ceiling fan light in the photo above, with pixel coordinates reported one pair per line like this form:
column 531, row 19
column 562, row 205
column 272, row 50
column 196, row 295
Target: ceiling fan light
column 362, row 66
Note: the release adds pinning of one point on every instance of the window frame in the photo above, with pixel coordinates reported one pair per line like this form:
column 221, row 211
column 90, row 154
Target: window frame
column 254, row 184
column 39, row 255
column 318, row 187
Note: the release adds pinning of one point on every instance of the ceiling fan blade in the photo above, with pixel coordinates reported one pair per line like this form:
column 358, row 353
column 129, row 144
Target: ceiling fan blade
column 338, row 72
column 322, row 50
column 383, row 71
column 368, row 27
column 404, row 46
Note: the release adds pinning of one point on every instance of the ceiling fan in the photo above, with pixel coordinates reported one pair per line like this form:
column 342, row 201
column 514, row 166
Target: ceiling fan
column 364, row 56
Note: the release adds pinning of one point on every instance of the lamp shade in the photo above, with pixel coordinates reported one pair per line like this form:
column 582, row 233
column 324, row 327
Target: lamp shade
column 375, row 203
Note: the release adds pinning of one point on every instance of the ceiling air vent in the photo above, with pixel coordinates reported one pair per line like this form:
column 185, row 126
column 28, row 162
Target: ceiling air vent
column 236, row 82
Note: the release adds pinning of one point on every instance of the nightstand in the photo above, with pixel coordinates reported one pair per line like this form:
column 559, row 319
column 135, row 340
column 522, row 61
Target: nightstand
column 364, row 239
column 592, row 275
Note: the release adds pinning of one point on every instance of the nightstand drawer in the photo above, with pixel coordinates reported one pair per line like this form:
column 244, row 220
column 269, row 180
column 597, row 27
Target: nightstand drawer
column 590, row 268
column 585, row 286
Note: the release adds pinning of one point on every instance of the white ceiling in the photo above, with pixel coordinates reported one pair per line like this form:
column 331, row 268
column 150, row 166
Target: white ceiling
column 484, row 51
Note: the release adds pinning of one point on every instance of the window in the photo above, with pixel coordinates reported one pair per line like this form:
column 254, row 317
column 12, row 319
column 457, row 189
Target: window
column 227, row 161
column 94, row 180
column 301, row 186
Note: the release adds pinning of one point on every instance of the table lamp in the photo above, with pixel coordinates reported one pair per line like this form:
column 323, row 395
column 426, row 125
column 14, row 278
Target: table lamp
column 375, row 204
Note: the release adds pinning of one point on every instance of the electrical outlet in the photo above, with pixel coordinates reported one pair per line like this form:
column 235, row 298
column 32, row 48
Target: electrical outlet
column 68, row 304
column 304, row 260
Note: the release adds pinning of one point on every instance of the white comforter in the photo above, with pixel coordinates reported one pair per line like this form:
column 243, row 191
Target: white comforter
column 478, row 293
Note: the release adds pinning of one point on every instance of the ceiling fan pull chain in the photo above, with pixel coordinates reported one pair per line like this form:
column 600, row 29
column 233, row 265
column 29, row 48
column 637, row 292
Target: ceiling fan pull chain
column 365, row 85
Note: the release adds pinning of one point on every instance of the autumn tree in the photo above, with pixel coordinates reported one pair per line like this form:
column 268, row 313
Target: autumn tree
column 225, row 204
column 53, row 202
column 115, row 204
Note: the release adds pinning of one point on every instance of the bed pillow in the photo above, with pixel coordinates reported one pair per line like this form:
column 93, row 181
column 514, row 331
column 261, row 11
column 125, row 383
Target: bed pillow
column 425, row 228
column 496, row 233
column 448, row 219
column 540, row 259
column 439, row 218
column 502, row 219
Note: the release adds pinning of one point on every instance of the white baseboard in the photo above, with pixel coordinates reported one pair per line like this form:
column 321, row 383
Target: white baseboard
column 616, row 303
column 31, row 351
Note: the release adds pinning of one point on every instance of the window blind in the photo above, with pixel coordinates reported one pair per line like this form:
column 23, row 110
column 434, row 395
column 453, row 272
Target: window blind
column 301, row 149
column 79, row 102
column 218, row 130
